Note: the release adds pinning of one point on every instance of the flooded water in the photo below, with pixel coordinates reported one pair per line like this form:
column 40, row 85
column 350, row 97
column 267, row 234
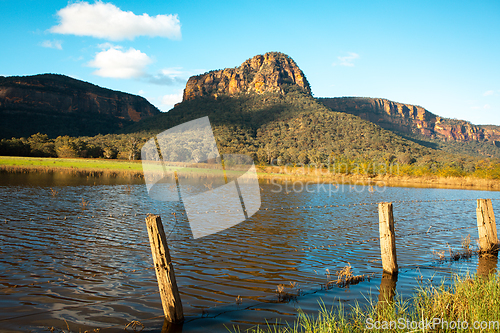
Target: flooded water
column 75, row 251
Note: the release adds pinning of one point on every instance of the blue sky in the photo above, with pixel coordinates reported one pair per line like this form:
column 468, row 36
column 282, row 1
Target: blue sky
column 442, row 55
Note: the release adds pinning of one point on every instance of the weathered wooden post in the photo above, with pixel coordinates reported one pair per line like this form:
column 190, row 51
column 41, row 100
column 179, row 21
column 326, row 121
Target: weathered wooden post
column 487, row 228
column 169, row 294
column 387, row 238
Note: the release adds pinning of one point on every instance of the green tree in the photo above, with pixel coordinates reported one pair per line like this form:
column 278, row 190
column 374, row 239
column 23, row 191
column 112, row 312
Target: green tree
column 41, row 145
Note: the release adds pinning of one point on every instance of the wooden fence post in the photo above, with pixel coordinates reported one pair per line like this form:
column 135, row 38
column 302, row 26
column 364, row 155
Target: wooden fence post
column 387, row 238
column 486, row 226
column 169, row 294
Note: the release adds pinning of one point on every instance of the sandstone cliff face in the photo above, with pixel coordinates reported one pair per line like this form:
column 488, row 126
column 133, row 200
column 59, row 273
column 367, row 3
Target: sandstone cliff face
column 260, row 74
column 412, row 119
column 58, row 94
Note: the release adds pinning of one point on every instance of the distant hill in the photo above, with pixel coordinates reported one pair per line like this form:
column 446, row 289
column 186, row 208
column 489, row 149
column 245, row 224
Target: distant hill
column 419, row 125
column 412, row 119
column 59, row 105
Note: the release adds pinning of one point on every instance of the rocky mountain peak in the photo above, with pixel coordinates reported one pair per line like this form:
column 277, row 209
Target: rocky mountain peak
column 270, row 72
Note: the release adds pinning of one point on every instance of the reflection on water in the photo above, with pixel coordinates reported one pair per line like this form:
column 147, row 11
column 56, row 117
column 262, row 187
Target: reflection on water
column 91, row 265
column 387, row 289
column 48, row 179
column 487, row 264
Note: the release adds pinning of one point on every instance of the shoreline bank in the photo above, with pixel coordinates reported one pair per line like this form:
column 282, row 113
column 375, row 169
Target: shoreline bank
column 430, row 181
column 133, row 169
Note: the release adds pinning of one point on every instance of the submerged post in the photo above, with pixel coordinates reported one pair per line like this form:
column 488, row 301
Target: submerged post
column 170, row 298
column 486, row 265
column 486, row 226
column 387, row 238
column 387, row 288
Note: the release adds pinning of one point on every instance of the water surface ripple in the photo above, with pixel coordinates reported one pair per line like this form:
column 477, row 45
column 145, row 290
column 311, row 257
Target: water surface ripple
column 80, row 253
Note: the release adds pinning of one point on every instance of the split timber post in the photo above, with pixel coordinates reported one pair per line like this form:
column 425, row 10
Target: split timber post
column 486, row 226
column 169, row 294
column 387, row 238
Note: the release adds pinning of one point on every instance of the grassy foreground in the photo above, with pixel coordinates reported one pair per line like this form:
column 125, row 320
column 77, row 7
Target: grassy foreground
column 469, row 305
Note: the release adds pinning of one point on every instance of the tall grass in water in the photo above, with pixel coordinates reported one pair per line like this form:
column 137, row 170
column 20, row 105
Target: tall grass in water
column 475, row 301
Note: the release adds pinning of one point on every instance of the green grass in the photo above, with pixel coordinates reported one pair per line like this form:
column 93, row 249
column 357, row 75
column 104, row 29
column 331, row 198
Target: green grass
column 77, row 163
column 34, row 164
column 468, row 300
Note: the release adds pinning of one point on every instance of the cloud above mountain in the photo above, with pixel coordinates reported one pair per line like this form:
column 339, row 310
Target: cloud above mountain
column 106, row 21
column 113, row 61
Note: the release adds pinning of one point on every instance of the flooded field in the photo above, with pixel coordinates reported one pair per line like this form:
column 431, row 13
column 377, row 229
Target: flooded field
column 75, row 251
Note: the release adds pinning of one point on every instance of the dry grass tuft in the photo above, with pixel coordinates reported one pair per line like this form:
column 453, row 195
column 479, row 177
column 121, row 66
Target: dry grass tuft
column 287, row 296
column 441, row 255
column 134, row 325
column 465, row 253
column 84, row 204
column 345, row 278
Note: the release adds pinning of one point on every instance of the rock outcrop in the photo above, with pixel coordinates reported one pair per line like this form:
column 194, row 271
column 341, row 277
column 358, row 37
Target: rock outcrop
column 62, row 94
column 409, row 118
column 263, row 73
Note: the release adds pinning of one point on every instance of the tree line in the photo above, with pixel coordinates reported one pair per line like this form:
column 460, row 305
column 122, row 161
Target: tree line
column 110, row 146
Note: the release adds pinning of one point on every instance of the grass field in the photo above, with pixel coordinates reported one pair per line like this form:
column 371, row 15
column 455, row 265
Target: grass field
column 96, row 167
column 78, row 163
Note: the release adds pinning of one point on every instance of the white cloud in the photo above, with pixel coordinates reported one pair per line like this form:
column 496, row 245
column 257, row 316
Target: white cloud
column 171, row 99
column 486, row 107
column 52, row 44
column 105, row 20
column 168, row 77
column 489, row 93
column 348, row 60
column 116, row 63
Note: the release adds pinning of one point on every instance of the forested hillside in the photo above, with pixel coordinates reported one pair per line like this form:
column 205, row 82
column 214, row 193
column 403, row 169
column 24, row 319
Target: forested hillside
column 264, row 109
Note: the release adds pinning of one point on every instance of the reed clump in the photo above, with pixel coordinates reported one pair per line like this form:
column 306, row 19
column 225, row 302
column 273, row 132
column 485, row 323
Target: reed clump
column 469, row 300
column 84, row 203
column 287, row 293
column 345, row 278
column 454, row 255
